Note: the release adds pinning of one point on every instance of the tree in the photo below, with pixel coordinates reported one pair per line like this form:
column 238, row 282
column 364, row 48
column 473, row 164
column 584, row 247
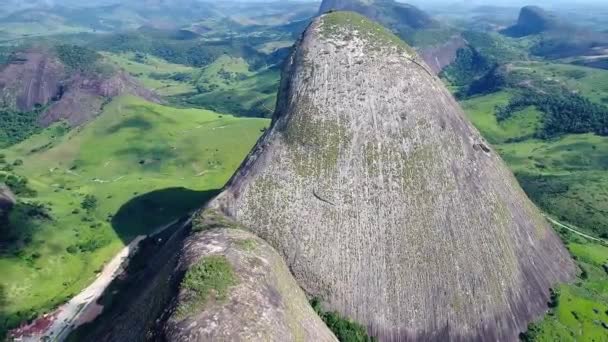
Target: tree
column 89, row 203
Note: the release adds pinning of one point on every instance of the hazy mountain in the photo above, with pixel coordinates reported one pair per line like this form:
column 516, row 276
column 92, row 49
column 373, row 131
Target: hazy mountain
column 558, row 38
column 533, row 20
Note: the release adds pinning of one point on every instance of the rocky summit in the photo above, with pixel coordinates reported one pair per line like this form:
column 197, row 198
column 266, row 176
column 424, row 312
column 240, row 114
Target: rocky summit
column 387, row 12
column 386, row 203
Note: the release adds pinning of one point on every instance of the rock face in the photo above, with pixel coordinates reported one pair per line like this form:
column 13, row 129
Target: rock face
column 387, row 12
column 84, row 96
column 440, row 56
column 263, row 304
column 386, row 202
column 532, row 20
column 31, row 78
column 36, row 79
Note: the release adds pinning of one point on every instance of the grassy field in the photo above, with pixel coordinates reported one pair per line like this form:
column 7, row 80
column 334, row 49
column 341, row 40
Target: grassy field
column 589, row 82
column 566, row 177
column 228, row 85
column 157, row 74
column 135, row 160
column 481, row 112
column 581, row 308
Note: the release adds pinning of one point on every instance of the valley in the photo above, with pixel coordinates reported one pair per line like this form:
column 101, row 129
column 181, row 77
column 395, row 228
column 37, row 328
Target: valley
column 125, row 118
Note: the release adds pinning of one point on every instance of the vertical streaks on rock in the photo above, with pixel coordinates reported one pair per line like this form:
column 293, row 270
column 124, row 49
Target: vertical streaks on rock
column 386, row 202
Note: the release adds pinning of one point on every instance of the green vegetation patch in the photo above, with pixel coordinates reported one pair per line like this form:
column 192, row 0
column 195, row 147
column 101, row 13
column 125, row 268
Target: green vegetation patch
column 210, row 278
column 17, row 126
column 523, row 124
column 77, row 57
column 228, row 85
column 579, row 311
column 146, row 166
column 345, row 329
column 155, row 73
column 345, row 24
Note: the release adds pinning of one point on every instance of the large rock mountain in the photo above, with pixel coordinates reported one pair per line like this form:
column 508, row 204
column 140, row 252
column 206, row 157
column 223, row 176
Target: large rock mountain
column 387, row 12
column 386, row 202
column 37, row 79
column 532, row 20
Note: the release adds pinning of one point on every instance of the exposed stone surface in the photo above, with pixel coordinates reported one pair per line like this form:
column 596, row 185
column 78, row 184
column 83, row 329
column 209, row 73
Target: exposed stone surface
column 265, row 304
column 36, row 78
column 32, row 78
column 439, row 56
column 85, row 96
column 386, row 202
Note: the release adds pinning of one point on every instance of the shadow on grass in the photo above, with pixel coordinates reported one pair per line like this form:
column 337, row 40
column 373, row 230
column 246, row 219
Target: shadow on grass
column 3, row 315
column 147, row 213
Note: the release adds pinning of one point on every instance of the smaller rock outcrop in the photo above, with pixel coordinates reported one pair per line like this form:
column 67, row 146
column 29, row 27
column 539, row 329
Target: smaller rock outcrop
column 238, row 288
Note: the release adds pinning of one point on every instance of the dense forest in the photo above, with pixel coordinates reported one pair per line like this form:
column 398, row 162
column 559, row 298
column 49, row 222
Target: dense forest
column 17, row 126
column 565, row 112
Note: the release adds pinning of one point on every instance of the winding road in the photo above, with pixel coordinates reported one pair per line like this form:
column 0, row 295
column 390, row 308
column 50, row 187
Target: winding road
column 575, row 231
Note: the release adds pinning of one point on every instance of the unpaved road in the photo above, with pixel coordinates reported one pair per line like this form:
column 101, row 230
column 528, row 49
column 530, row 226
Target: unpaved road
column 68, row 316
column 575, row 231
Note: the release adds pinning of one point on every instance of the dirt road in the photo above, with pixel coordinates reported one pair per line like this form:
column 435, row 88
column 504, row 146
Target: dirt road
column 83, row 306
column 575, row 231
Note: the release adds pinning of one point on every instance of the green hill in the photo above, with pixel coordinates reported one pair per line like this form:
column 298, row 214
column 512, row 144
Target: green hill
column 95, row 188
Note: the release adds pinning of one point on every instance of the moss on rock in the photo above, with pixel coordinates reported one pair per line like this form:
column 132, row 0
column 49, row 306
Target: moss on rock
column 210, row 278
